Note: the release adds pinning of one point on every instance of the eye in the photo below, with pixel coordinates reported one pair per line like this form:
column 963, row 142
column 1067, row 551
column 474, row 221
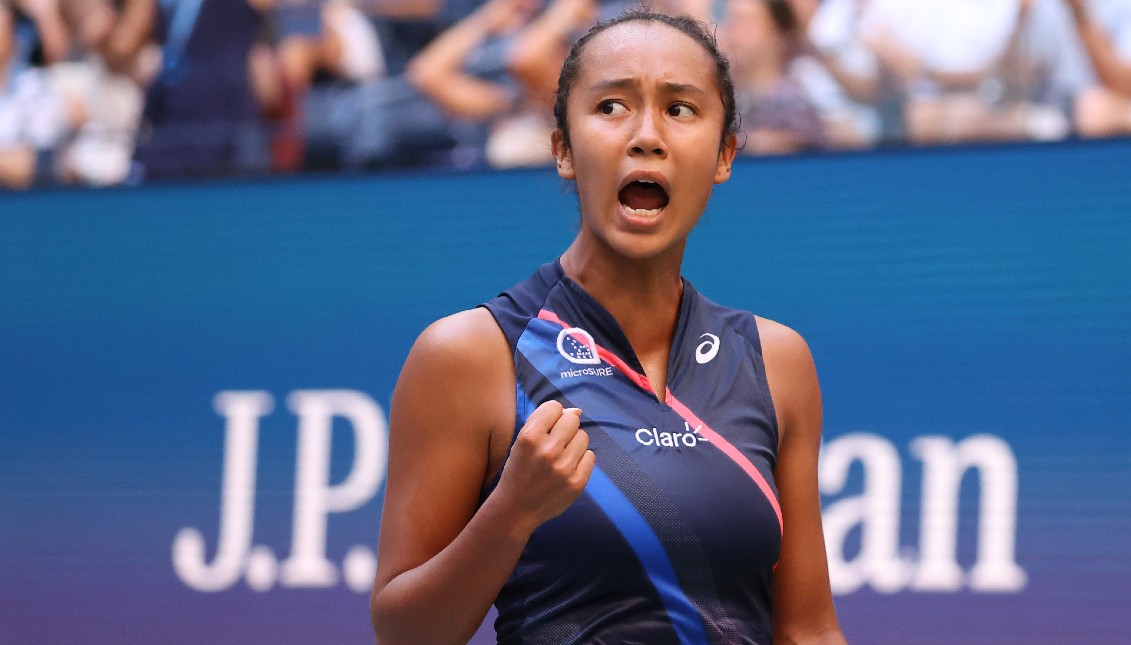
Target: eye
column 681, row 109
column 611, row 107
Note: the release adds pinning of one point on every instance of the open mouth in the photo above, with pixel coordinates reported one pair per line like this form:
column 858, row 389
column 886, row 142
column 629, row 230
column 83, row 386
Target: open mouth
column 643, row 198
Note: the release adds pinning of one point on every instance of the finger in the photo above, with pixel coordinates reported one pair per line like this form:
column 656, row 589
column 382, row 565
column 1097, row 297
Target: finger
column 542, row 419
column 584, row 469
column 574, row 450
column 565, row 427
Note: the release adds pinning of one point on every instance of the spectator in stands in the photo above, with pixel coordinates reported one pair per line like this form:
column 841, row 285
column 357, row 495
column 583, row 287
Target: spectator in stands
column 840, row 75
column 13, row 157
column 109, row 100
column 341, row 57
column 1104, row 27
column 126, row 45
column 35, row 116
column 314, row 39
column 45, row 16
column 201, row 113
column 977, row 70
column 392, row 121
column 517, row 100
column 17, row 159
column 759, row 37
column 380, row 123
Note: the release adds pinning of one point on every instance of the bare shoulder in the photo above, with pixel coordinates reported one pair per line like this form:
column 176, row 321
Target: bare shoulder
column 457, row 385
column 460, row 362
column 792, row 377
column 783, row 346
column 468, row 339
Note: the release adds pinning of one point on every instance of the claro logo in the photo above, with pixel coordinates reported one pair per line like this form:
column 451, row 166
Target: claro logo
column 690, row 437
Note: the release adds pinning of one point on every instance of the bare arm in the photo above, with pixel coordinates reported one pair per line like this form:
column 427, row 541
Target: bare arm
column 17, row 164
column 907, row 67
column 17, row 167
column 133, row 30
column 544, row 44
column 860, row 88
column 1113, row 72
column 404, row 9
column 6, row 27
column 1014, row 59
column 438, row 69
column 436, row 549
column 902, row 64
column 863, row 88
column 48, row 21
column 803, row 606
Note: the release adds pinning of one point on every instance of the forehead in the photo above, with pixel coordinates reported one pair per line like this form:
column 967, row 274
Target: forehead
column 647, row 51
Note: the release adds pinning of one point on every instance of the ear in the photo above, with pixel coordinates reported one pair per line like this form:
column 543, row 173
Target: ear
column 562, row 155
column 726, row 159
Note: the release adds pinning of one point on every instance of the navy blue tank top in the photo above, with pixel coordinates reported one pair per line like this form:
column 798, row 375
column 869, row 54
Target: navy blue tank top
column 676, row 535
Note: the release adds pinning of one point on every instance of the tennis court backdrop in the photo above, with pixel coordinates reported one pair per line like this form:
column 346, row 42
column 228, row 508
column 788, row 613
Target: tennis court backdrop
column 194, row 383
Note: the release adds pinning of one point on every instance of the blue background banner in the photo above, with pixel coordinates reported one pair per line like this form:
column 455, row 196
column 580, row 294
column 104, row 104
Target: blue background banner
column 195, row 379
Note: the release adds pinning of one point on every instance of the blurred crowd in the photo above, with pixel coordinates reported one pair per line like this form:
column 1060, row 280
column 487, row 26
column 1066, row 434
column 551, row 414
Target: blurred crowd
column 105, row 92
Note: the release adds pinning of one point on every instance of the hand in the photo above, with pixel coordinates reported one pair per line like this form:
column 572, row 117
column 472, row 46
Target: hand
column 38, row 8
column 548, row 467
column 892, row 54
column 572, row 15
column 503, row 16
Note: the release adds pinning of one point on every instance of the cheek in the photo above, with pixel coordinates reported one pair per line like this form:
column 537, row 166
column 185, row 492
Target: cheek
column 704, row 162
column 591, row 161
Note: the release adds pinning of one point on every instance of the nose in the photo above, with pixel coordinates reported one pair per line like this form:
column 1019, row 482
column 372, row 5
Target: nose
column 646, row 137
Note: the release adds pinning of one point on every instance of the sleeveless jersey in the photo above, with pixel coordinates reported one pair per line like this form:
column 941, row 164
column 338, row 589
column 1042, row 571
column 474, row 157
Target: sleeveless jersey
column 676, row 535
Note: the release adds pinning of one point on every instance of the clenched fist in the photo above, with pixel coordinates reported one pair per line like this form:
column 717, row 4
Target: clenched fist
column 548, row 467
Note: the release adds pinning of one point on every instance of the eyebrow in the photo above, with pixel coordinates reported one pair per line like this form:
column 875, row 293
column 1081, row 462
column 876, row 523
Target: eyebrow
column 667, row 87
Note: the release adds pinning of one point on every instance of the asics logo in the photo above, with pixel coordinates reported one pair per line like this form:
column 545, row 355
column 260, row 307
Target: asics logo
column 578, row 346
column 707, row 349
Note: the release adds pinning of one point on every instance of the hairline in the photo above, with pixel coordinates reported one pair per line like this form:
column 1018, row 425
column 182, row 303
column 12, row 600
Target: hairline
column 703, row 37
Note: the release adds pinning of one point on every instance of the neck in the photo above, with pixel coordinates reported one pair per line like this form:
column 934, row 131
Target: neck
column 642, row 295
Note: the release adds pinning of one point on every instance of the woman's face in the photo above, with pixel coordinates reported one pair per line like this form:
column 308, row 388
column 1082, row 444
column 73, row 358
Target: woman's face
column 645, row 120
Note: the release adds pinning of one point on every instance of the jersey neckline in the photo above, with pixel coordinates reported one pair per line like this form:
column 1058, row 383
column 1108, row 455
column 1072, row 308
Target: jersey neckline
column 603, row 321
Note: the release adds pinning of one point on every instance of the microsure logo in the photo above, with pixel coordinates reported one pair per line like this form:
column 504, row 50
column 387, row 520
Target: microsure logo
column 587, row 371
column 690, row 437
column 578, row 346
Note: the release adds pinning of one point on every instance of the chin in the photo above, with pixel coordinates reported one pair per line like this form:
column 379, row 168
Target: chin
column 639, row 236
column 634, row 245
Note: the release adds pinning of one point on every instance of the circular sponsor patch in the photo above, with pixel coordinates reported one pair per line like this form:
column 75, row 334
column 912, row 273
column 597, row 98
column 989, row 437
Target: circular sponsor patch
column 578, row 346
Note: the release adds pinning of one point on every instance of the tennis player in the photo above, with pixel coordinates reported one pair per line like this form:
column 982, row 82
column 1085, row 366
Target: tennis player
column 602, row 452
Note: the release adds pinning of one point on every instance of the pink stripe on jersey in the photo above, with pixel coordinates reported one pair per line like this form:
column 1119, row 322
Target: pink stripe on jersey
column 730, row 451
column 682, row 410
column 602, row 353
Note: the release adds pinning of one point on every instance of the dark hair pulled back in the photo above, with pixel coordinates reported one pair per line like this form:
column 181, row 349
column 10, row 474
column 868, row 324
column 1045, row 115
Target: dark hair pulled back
column 695, row 29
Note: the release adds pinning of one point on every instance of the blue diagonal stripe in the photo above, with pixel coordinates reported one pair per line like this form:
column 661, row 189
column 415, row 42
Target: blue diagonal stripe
column 650, row 551
column 538, row 344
